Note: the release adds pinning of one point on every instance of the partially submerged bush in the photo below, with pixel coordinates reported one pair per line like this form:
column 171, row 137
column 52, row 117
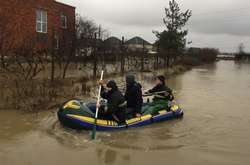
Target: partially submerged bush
column 189, row 61
column 204, row 55
column 33, row 95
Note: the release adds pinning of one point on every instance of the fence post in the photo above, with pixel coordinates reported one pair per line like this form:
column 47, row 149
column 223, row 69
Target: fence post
column 142, row 56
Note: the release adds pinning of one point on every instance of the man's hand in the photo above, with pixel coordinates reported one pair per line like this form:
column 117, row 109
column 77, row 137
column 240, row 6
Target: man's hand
column 98, row 105
column 138, row 115
column 100, row 82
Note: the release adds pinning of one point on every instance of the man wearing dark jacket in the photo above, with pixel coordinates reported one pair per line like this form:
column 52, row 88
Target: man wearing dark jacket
column 162, row 95
column 133, row 96
column 116, row 101
column 161, row 91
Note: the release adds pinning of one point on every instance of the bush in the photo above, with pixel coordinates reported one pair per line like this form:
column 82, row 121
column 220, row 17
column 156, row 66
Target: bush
column 203, row 55
column 189, row 61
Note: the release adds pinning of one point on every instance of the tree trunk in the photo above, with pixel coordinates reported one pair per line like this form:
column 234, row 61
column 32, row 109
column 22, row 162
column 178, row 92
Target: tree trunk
column 65, row 68
column 94, row 65
column 122, row 63
column 165, row 60
column 156, row 61
column 69, row 59
column 2, row 61
column 168, row 59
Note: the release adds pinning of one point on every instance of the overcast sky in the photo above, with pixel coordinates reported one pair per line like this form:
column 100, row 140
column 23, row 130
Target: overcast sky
column 215, row 23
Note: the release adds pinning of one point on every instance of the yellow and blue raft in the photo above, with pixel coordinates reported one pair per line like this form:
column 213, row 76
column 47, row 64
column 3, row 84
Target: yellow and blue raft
column 79, row 115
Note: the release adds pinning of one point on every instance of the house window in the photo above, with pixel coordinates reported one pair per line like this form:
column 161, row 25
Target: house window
column 41, row 21
column 64, row 21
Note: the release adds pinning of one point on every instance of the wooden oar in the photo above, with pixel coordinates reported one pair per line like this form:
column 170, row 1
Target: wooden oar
column 97, row 108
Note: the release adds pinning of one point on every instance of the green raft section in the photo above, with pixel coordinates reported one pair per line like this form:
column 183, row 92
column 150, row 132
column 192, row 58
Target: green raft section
column 155, row 106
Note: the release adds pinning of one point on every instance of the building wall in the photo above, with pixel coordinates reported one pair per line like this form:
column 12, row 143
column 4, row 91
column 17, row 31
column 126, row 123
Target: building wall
column 19, row 17
column 139, row 47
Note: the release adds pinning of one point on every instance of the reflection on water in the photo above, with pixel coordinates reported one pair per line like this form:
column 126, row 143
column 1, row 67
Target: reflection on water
column 214, row 130
column 110, row 156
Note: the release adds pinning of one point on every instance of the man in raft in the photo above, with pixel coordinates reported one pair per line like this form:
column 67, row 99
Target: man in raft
column 133, row 96
column 162, row 95
column 116, row 102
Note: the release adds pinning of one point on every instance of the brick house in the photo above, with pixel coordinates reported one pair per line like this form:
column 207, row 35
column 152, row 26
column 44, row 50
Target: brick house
column 43, row 23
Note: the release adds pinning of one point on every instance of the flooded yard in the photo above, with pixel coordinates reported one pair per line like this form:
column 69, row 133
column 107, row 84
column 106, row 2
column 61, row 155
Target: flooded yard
column 215, row 128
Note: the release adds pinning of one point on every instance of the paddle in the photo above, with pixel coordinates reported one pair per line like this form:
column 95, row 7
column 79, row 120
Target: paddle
column 97, row 108
column 154, row 93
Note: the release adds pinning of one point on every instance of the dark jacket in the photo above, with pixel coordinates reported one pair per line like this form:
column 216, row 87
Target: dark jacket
column 162, row 92
column 115, row 99
column 133, row 96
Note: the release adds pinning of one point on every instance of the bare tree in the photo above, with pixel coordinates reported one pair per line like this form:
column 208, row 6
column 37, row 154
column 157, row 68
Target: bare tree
column 18, row 53
column 25, row 62
column 241, row 51
column 6, row 39
column 85, row 28
column 90, row 38
column 241, row 48
column 63, row 51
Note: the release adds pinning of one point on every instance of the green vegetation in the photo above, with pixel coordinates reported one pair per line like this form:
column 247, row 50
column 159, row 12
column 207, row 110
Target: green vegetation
column 172, row 40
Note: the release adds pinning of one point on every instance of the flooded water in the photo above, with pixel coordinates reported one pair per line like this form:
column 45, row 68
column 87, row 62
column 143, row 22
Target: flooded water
column 214, row 130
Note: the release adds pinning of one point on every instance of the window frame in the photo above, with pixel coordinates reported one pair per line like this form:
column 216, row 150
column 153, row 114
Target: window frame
column 43, row 21
column 64, row 22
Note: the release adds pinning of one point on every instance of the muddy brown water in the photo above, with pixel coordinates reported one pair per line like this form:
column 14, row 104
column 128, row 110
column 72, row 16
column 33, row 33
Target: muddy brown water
column 214, row 130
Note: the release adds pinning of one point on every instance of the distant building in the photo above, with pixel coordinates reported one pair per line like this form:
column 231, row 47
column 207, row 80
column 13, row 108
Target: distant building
column 113, row 44
column 86, row 46
column 138, row 44
column 36, row 21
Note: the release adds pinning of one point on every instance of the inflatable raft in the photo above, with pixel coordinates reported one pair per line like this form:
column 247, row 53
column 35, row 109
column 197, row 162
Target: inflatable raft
column 79, row 115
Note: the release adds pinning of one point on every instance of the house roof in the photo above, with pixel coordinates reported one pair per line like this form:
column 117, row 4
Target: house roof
column 60, row 3
column 113, row 40
column 138, row 40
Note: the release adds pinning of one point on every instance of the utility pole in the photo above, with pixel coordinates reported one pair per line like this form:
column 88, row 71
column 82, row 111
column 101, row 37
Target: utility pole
column 122, row 56
column 143, row 56
column 95, row 55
